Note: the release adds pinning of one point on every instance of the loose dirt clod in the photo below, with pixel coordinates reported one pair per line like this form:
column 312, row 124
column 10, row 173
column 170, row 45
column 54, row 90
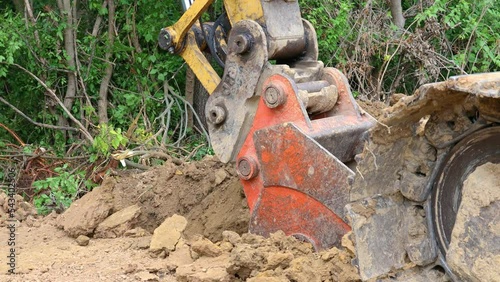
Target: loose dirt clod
column 85, row 214
column 82, row 240
column 23, row 211
column 205, row 247
column 278, row 258
column 166, row 236
column 118, row 223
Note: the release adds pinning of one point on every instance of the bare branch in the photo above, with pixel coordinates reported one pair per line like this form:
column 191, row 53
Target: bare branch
column 102, row 104
column 12, row 133
column 83, row 130
column 35, row 122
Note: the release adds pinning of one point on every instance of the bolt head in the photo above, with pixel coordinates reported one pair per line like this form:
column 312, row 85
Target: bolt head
column 247, row 168
column 241, row 43
column 216, row 115
column 165, row 40
column 274, row 96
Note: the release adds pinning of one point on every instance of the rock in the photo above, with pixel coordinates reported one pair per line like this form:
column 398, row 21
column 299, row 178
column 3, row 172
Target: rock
column 231, row 237
column 205, row 269
column 181, row 256
column 205, row 247
column 28, row 208
column 118, row 223
column 143, row 243
column 220, row 176
column 13, row 204
column 83, row 216
column 136, row 232
column 82, row 240
column 372, row 219
column 146, row 276
column 226, row 246
column 19, row 199
column 166, row 236
column 21, row 214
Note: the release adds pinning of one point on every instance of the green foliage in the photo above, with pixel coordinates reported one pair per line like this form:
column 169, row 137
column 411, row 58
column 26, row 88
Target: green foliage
column 136, row 95
column 472, row 29
column 138, row 75
column 441, row 38
column 106, row 140
column 330, row 18
column 58, row 192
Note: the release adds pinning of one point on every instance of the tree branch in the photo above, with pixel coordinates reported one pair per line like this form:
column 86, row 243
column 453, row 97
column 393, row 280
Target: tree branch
column 69, row 46
column 35, row 122
column 102, row 104
column 83, row 130
column 12, row 133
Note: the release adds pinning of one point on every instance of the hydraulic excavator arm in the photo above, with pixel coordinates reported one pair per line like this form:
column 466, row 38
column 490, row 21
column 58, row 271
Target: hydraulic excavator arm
column 290, row 124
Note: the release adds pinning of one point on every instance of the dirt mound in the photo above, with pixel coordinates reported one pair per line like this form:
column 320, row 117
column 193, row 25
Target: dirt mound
column 374, row 108
column 172, row 223
column 46, row 253
column 207, row 193
column 254, row 258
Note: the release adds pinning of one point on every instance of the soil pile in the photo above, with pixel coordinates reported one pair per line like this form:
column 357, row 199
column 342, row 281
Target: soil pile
column 173, row 223
column 207, row 193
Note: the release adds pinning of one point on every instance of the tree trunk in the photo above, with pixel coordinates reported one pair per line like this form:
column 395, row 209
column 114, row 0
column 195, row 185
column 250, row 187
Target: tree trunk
column 397, row 13
column 103, row 89
column 69, row 10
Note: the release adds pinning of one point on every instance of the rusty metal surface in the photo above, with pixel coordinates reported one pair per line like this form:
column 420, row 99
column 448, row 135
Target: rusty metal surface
column 300, row 187
column 296, row 213
column 291, row 159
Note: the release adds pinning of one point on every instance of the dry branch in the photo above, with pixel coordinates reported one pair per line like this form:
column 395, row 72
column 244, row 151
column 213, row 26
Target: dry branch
column 83, row 130
column 12, row 133
column 35, row 122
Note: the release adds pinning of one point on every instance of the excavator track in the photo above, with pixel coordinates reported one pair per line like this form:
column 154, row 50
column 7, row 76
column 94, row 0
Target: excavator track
column 424, row 203
column 471, row 168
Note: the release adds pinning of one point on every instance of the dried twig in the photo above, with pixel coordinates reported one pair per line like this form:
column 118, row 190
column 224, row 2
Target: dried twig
column 12, row 133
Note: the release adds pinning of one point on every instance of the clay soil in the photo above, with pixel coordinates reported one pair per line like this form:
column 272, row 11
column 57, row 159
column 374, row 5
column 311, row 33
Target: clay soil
column 213, row 246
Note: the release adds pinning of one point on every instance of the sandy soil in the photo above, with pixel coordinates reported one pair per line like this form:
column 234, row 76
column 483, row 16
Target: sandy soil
column 209, row 199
